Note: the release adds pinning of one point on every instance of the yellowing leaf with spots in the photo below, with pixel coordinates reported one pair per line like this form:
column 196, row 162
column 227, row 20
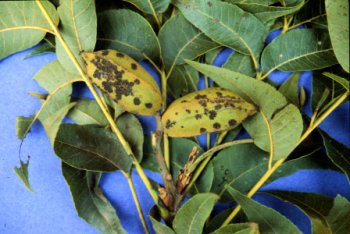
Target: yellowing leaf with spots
column 205, row 111
column 124, row 80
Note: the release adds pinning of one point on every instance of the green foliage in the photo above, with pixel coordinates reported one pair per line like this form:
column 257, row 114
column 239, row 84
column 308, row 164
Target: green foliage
column 180, row 39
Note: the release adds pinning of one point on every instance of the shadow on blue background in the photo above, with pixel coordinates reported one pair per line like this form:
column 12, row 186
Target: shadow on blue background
column 49, row 209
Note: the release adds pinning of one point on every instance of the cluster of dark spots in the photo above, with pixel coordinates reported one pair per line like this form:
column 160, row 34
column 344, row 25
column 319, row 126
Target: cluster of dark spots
column 120, row 55
column 137, row 101
column 133, row 66
column 113, row 78
column 210, row 4
column 198, row 96
column 149, row 105
column 218, row 107
column 203, row 102
column 212, row 114
column 198, row 116
column 219, row 94
column 202, row 130
column 216, row 125
column 188, row 111
column 107, row 87
column 105, row 52
column 137, row 81
column 232, row 122
column 169, row 124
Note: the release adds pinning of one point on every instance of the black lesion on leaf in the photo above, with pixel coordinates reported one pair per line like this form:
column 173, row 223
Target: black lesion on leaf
column 203, row 102
column 169, row 124
column 137, row 101
column 149, row 105
column 120, row 55
column 198, row 116
column 188, row 111
column 202, row 130
column 134, row 66
column 105, row 52
column 137, row 81
column 232, row 122
column 218, row 107
column 216, row 125
column 210, row 4
column 107, row 87
column 212, row 114
column 198, row 96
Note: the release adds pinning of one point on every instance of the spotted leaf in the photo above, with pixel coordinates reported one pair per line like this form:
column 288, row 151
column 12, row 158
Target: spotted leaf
column 205, row 111
column 124, row 80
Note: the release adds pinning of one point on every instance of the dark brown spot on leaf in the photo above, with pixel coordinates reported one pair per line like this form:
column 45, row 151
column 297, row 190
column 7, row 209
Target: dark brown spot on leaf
column 105, row 52
column 137, row 101
column 210, row 4
column 218, row 107
column 133, row 66
column 169, row 124
column 216, row 125
column 202, row 130
column 149, row 105
column 137, row 81
column 198, row 116
column 212, row 114
column 120, row 55
column 232, row 122
column 188, row 111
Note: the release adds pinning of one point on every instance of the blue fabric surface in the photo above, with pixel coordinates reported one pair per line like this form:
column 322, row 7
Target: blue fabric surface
column 49, row 209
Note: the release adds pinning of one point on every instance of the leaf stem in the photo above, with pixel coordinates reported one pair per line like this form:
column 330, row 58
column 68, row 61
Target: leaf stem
column 154, row 13
column 137, row 202
column 99, row 102
column 278, row 163
column 306, row 21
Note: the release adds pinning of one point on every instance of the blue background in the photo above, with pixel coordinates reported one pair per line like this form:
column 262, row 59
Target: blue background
column 49, row 209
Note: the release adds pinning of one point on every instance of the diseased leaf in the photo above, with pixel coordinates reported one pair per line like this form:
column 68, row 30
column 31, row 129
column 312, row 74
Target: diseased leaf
column 269, row 220
column 240, row 167
column 315, row 206
column 22, row 125
column 338, row 154
column 19, row 31
column 266, row 13
column 151, row 6
column 338, row 26
column 290, row 89
column 91, row 148
column 226, row 24
column 89, row 200
column 180, row 40
column 78, row 27
column 22, row 173
column 312, row 51
column 269, row 101
column 118, row 29
column 160, row 228
column 191, row 217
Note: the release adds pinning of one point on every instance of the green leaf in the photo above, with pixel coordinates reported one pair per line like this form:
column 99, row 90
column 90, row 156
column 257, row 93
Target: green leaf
column 118, row 30
column 78, row 27
column 315, row 206
column 266, row 13
column 338, row 217
column 87, row 111
column 238, row 228
column 89, row 200
column 160, row 228
column 269, row 220
column 338, row 26
column 151, row 6
column 180, row 40
column 240, row 63
column 240, row 167
column 45, row 47
column 338, row 154
column 340, row 80
column 132, row 131
column 54, row 77
column 290, row 89
column 22, row 31
column 22, row 173
column 284, row 138
column 91, row 148
column 226, row 24
column 311, row 51
column 191, row 217
column 22, row 125
column 183, row 80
